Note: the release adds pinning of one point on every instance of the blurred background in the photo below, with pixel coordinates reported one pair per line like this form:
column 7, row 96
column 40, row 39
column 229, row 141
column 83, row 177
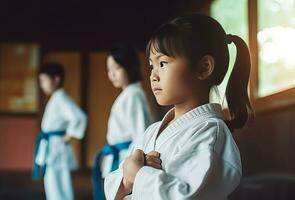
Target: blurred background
column 78, row 35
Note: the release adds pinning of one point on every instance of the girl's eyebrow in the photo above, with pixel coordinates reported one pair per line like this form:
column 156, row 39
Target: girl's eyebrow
column 157, row 57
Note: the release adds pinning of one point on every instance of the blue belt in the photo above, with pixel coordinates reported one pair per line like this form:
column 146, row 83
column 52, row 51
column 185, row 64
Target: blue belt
column 97, row 181
column 37, row 170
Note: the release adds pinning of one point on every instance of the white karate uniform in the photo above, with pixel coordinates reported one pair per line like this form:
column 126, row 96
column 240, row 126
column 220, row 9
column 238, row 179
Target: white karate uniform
column 200, row 159
column 130, row 116
column 61, row 113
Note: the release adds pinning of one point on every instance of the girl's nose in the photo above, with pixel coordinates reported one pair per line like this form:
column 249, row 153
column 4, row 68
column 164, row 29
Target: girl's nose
column 154, row 76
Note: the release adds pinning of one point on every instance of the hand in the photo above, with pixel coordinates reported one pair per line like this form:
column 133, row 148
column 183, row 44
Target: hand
column 124, row 189
column 67, row 138
column 127, row 186
column 132, row 165
column 152, row 159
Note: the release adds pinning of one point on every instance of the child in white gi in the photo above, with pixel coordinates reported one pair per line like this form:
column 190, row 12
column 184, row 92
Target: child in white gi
column 191, row 153
column 129, row 117
column 62, row 120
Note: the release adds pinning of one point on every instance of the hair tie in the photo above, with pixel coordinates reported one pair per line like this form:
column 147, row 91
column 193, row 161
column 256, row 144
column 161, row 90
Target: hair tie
column 229, row 38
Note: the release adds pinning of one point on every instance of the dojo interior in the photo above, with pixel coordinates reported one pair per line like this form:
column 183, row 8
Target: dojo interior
column 78, row 34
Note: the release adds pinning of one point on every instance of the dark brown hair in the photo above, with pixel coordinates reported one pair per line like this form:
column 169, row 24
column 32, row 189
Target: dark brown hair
column 127, row 57
column 53, row 70
column 197, row 35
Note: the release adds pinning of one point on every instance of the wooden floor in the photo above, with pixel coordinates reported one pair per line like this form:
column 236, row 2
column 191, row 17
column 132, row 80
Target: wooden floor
column 19, row 186
column 267, row 186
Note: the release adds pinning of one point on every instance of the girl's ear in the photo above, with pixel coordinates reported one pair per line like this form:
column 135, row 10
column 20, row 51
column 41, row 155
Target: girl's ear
column 206, row 67
column 57, row 81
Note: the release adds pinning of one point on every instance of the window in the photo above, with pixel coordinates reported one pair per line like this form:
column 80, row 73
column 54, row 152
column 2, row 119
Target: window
column 276, row 43
column 18, row 85
column 226, row 12
column 270, row 34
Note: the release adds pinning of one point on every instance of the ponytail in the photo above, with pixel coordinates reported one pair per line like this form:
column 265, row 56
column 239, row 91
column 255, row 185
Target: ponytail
column 196, row 35
column 236, row 93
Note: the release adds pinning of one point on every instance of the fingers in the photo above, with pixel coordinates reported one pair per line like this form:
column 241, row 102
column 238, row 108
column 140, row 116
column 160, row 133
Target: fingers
column 154, row 153
column 153, row 163
column 138, row 154
column 152, row 159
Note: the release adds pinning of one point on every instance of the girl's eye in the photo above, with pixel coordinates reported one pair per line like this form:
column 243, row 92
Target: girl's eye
column 163, row 63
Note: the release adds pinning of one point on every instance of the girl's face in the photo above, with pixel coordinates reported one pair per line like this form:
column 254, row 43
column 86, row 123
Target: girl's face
column 172, row 81
column 48, row 85
column 116, row 73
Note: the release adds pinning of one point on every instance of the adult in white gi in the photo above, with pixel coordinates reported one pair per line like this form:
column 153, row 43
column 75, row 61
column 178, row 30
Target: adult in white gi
column 62, row 120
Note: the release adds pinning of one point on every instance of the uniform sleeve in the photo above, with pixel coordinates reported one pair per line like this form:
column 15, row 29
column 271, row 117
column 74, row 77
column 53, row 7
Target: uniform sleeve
column 77, row 120
column 114, row 179
column 112, row 183
column 195, row 173
column 186, row 184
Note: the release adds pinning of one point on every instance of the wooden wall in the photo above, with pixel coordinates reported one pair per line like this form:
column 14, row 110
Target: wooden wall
column 267, row 145
column 100, row 97
column 17, row 135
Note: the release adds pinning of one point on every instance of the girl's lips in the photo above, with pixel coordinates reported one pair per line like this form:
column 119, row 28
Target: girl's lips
column 156, row 90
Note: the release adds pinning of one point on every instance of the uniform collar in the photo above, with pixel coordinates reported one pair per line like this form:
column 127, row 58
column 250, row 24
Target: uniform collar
column 211, row 110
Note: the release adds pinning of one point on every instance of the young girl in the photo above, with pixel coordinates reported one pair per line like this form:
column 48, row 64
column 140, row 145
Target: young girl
column 62, row 120
column 130, row 114
column 190, row 154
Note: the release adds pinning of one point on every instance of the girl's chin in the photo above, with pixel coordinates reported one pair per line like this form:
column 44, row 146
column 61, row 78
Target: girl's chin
column 47, row 92
column 162, row 102
column 116, row 85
